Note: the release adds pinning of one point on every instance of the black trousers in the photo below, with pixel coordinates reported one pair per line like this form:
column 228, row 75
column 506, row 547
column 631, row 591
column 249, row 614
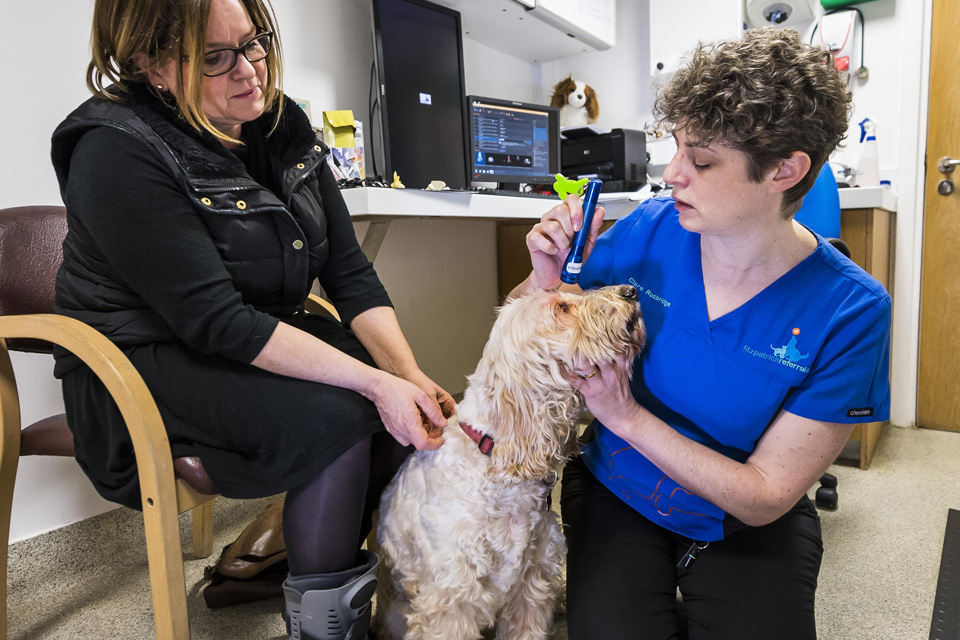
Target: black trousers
column 622, row 574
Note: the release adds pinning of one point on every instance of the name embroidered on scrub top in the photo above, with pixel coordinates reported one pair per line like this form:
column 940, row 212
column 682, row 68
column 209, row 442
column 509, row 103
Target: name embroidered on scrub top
column 650, row 294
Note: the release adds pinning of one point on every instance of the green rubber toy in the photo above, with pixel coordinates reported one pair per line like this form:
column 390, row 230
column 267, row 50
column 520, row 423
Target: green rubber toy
column 564, row 186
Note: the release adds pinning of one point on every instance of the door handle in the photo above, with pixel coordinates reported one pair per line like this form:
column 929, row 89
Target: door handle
column 947, row 164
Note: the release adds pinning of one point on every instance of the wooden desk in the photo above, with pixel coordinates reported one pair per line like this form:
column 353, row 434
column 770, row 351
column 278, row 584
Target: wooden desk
column 379, row 206
column 866, row 223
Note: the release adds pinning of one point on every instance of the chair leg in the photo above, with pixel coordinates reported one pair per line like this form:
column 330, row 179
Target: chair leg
column 202, row 529
column 167, row 582
column 8, row 473
column 9, row 460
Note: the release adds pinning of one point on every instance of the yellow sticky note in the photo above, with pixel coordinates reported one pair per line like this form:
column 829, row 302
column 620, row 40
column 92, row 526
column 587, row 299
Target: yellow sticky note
column 338, row 128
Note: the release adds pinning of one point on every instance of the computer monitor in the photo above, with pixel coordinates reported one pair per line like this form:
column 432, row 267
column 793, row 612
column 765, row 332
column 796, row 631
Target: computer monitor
column 420, row 91
column 513, row 142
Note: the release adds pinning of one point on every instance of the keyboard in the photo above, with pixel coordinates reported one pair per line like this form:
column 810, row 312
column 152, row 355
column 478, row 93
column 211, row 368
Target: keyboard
column 515, row 194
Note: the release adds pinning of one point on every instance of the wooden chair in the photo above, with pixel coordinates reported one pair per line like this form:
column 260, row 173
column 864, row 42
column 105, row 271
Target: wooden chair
column 30, row 253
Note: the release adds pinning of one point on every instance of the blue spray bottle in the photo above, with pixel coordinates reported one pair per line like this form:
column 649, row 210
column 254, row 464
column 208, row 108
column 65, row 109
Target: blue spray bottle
column 868, row 167
column 574, row 262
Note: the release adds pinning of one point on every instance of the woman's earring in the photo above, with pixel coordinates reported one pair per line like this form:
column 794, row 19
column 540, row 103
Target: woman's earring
column 160, row 86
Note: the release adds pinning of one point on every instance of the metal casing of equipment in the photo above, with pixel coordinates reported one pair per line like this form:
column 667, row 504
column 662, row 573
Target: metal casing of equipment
column 619, row 158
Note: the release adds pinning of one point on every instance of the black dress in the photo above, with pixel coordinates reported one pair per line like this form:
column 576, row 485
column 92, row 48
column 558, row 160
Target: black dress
column 257, row 433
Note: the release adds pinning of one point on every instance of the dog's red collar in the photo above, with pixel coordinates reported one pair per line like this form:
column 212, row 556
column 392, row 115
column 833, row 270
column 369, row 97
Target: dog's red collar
column 484, row 442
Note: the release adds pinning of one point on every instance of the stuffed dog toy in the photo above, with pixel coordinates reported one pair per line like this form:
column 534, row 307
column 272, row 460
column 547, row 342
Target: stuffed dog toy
column 577, row 101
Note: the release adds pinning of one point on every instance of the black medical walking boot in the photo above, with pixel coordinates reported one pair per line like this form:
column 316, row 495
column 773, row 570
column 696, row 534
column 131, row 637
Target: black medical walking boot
column 332, row 606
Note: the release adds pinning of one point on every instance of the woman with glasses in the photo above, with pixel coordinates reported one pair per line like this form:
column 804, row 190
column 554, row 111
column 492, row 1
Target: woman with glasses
column 201, row 209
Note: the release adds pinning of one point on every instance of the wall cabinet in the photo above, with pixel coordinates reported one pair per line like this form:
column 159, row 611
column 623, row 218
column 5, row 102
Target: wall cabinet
column 539, row 30
column 677, row 26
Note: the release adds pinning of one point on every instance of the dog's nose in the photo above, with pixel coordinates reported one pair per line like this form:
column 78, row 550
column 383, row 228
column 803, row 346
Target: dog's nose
column 628, row 292
column 579, row 96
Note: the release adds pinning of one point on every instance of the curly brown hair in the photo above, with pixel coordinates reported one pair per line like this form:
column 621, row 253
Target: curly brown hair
column 767, row 95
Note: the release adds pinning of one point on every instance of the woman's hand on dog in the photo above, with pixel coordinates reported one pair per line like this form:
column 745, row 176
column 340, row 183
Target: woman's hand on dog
column 550, row 239
column 444, row 400
column 411, row 414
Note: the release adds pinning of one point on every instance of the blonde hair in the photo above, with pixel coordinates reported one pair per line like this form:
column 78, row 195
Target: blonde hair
column 125, row 32
column 767, row 95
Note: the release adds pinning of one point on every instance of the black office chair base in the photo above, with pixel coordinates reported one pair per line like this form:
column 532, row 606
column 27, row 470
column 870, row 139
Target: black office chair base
column 827, row 497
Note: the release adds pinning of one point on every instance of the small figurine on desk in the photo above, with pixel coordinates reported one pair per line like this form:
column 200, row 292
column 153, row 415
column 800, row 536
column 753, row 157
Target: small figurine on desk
column 396, row 184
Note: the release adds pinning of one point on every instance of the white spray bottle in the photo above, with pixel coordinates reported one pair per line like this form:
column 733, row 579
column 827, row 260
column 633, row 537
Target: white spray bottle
column 868, row 169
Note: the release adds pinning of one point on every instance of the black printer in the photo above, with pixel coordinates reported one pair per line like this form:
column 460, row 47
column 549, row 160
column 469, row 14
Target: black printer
column 619, row 158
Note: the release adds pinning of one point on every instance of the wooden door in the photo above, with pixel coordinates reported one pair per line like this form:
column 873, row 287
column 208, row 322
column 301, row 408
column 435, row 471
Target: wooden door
column 938, row 401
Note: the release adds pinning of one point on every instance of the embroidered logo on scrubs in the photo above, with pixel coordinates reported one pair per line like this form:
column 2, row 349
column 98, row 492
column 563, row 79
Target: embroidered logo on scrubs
column 789, row 350
column 788, row 355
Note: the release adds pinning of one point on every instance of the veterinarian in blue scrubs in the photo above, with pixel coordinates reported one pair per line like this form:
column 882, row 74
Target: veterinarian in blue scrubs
column 765, row 346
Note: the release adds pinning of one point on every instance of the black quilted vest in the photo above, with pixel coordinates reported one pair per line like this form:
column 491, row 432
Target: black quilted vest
column 265, row 239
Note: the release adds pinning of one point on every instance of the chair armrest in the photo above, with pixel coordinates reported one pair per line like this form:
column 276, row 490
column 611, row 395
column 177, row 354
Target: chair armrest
column 136, row 404
column 316, row 304
column 151, row 447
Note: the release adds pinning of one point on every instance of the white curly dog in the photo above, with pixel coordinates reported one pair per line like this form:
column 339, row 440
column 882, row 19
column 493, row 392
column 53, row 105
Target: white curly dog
column 466, row 536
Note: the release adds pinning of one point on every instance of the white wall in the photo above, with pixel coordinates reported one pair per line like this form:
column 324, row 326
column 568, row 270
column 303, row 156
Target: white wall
column 883, row 49
column 493, row 74
column 441, row 274
column 50, row 492
column 912, row 94
column 896, row 51
column 47, row 78
column 620, row 75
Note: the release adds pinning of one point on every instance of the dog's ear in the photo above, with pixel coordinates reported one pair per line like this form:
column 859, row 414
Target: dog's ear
column 561, row 90
column 592, row 105
column 520, row 389
column 534, row 435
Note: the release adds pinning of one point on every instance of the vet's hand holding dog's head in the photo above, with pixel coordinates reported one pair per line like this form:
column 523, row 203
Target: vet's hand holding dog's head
column 606, row 391
column 614, row 333
column 550, row 239
column 604, row 381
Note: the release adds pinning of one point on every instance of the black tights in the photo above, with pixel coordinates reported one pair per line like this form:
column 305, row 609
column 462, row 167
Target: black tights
column 326, row 519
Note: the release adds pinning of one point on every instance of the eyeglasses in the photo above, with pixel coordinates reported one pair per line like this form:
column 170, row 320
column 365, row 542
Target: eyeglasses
column 220, row 61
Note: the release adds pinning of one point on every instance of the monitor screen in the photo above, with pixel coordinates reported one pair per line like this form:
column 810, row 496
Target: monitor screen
column 513, row 142
column 419, row 57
